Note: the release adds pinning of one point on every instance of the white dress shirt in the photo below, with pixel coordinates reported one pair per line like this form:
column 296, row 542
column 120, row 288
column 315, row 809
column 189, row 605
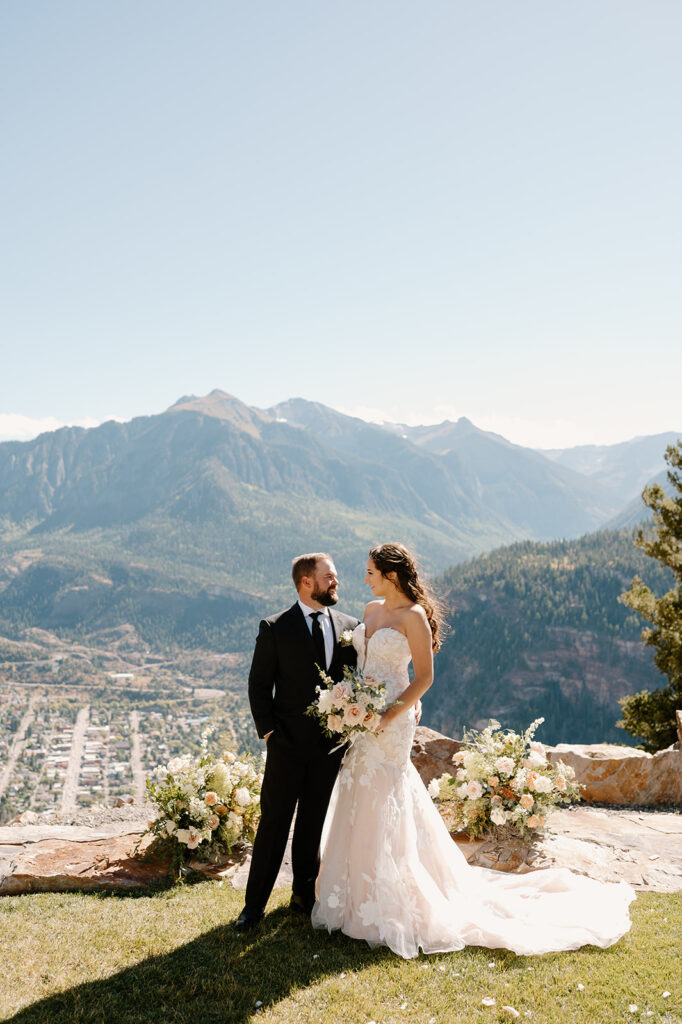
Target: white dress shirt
column 326, row 626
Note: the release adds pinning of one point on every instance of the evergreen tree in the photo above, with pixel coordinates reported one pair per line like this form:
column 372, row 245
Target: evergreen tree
column 651, row 715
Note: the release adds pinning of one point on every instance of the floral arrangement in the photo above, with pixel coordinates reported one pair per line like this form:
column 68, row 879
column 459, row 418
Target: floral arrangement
column 207, row 805
column 503, row 781
column 350, row 707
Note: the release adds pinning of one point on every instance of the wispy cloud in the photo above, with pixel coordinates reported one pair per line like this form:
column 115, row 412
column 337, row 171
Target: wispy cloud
column 15, row 427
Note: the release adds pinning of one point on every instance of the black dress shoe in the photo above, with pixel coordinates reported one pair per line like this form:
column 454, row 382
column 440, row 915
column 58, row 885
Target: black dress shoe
column 248, row 919
column 300, row 905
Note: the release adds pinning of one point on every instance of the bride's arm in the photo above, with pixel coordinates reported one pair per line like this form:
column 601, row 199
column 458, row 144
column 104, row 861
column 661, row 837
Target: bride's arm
column 418, row 633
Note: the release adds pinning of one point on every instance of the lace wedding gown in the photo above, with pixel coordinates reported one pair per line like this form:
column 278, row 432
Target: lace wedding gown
column 392, row 875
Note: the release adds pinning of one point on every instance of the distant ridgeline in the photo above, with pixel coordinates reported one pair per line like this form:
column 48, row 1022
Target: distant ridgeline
column 538, row 631
column 180, row 529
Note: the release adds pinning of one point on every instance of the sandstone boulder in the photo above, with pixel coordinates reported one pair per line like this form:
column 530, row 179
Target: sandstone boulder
column 607, row 844
column 58, row 865
column 89, row 864
column 432, row 753
column 623, row 776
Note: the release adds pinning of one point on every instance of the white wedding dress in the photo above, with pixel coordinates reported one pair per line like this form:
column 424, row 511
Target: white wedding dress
column 392, row 875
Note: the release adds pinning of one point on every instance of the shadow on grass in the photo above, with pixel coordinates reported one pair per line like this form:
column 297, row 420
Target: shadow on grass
column 218, row 977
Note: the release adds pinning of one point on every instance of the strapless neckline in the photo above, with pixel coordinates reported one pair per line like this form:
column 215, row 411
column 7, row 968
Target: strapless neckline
column 381, row 629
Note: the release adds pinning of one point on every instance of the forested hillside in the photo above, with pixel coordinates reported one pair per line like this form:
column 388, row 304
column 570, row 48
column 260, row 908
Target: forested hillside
column 537, row 629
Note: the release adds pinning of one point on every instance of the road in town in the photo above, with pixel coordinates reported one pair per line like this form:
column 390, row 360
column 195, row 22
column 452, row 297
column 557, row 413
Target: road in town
column 18, row 743
column 70, row 790
column 136, row 758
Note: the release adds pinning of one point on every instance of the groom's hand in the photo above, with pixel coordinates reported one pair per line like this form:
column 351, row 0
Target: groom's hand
column 418, row 712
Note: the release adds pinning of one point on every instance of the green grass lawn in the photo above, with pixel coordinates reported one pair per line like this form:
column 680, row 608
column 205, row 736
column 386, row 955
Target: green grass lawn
column 173, row 956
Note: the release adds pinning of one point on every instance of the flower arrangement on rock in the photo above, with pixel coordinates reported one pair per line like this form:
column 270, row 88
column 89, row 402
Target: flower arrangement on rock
column 503, row 782
column 350, row 707
column 207, row 805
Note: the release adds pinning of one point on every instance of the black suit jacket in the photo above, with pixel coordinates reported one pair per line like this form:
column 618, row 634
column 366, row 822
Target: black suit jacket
column 283, row 677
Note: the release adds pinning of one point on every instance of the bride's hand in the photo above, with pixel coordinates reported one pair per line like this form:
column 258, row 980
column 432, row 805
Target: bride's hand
column 390, row 714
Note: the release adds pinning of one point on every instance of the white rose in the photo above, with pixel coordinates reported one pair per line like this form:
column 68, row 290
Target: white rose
column 536, row 760
column 325, row 702
column 242, row 796
column 543, row 784
column 461, row 790
column 460, row 775
column 474, row 789
column 194, row 839
column 170, row 827
column 498, row 816
column 505, row 765
column 182, row 835
column 434, row 788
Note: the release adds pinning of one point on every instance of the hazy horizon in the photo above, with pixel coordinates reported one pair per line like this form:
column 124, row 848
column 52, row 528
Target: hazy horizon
column 26, row 429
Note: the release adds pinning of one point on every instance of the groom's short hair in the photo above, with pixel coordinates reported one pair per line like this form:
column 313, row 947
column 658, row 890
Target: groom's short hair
column 304, row 565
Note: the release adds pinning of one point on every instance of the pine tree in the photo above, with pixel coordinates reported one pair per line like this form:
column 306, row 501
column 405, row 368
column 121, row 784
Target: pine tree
column 651, row 715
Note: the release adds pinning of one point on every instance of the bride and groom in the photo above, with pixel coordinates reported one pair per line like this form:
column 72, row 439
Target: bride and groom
column 371, row 855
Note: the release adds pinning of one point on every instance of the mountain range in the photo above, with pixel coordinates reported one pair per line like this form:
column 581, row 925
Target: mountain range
column 207, row 459
column 183, row 524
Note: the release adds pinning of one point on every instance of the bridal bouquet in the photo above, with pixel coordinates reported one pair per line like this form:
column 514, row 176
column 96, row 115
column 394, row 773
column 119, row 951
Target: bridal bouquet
column 207, row 805
column 350, row 707
column 503, row 781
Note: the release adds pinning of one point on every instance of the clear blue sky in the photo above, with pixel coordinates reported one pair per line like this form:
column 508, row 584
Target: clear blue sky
column 410, row 210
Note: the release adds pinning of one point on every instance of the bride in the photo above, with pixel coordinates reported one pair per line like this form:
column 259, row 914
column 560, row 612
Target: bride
column 390, row 872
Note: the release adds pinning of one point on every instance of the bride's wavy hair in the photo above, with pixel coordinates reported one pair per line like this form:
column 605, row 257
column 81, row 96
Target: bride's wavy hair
column 396, row 558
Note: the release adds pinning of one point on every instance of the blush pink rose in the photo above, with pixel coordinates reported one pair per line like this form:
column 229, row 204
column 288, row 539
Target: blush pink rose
column 340, row 693
column 560, row 783
column 373, row 722
column 335, row 723
column 526, row 801
column 211, row 798
column 354, row 714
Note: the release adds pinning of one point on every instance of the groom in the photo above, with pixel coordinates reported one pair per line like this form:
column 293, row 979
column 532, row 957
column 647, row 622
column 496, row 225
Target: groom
column 299, row 770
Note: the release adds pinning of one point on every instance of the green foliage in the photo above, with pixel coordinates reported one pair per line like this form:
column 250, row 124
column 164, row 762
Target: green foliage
column 537, row 630
column 646, row 714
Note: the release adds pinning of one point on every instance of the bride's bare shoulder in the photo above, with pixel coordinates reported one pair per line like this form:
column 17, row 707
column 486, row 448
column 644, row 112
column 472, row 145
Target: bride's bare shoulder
column 414, row 618
column 371, row 608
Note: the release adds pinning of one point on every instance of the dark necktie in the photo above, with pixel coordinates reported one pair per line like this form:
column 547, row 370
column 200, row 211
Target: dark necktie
column 318, row 640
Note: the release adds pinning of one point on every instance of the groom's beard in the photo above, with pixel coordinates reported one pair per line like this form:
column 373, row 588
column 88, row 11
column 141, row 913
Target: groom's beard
column 325, row 597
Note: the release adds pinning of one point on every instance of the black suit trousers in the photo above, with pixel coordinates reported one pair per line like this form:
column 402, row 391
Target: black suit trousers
column 290, row 779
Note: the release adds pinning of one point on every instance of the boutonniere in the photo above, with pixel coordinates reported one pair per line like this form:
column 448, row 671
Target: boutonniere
column 346, row 638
